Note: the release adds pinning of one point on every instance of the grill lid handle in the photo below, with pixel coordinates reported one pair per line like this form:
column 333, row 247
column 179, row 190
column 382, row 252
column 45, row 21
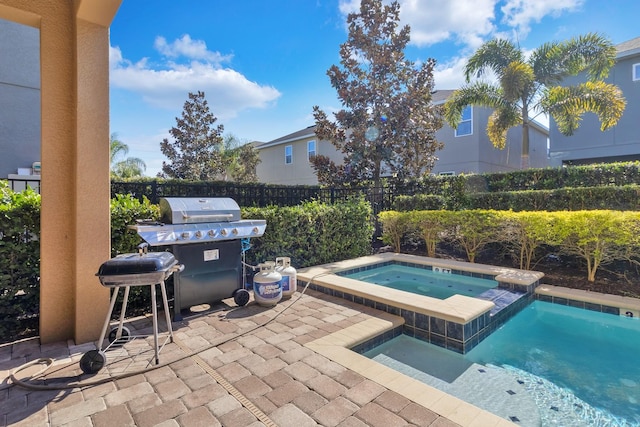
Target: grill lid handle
column 143, row 248
column 210, row 217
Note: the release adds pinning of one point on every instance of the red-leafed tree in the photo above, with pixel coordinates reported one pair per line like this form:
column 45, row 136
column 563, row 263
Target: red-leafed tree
column 388, row 122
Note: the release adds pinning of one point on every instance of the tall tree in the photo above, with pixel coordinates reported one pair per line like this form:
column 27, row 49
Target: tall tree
column 533, row 84
column 195, row 152
column 388, row 123
column 129, row 167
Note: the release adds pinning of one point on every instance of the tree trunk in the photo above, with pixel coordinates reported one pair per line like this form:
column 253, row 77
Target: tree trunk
column 524, row 159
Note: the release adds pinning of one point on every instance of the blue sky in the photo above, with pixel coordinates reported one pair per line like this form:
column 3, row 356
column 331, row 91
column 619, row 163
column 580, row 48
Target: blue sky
column 262, row 64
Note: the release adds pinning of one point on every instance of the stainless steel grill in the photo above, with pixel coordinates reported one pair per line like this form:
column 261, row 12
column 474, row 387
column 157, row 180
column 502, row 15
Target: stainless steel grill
column 205, row 235
column 195, row 220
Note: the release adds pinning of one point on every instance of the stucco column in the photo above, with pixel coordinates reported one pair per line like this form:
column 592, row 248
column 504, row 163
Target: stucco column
column 75, row 222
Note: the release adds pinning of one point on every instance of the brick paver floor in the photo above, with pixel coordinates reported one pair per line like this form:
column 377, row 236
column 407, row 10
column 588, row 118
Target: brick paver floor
column 237, row 367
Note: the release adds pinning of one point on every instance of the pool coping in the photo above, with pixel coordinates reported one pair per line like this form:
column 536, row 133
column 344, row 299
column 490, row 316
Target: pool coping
column 337, row 347
column 613, row 304
column 457, row 308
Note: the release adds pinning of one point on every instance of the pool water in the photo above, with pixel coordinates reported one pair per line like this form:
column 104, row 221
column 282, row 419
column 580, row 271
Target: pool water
column 581, row 367
column 424, row 282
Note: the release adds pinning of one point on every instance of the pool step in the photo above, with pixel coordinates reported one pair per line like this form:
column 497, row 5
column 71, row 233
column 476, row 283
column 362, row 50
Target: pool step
column 502, row 298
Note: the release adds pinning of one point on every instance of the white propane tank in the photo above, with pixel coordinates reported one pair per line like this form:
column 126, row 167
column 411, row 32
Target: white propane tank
column 267, row 286
column 289, row 276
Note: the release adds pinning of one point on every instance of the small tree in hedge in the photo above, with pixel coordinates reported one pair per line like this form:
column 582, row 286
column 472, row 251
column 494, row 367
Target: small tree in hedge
column 395, row 225
column 526, row 232
column 431, row 225
column 473, row 230
column 598, row 237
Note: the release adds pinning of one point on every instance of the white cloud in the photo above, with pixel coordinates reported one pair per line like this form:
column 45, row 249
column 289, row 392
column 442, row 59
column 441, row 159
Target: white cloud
column 519, row 14
column 192, row 49
column 433, row 21
column 190, row 68
column 450, row 75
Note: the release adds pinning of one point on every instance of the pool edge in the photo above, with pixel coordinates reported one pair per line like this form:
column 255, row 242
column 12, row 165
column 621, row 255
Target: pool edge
column 336, row 347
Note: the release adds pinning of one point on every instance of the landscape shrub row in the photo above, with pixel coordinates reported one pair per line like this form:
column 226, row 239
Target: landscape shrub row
column 597, row 237
column 625, row 198
column 596, row 175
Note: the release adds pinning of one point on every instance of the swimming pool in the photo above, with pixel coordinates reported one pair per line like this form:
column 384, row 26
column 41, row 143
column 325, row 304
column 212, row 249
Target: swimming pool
column 579, row 366
column 457, row 322
column 435, row 282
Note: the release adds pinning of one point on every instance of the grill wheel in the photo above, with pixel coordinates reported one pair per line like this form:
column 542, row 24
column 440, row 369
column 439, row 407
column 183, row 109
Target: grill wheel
column 92, row 361
column 241, row 297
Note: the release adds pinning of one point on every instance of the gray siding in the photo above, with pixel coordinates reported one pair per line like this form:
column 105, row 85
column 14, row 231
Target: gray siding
column 589, row 143
column 19, row 97
column 475, row 153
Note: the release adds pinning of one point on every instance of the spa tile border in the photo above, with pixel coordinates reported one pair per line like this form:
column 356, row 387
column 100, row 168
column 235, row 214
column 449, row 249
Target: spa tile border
column 454, row 336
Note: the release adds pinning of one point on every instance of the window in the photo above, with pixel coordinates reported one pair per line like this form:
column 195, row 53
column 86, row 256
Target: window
column 465, row 128
column 311, row 149
column 636, row 72
column 288, row 154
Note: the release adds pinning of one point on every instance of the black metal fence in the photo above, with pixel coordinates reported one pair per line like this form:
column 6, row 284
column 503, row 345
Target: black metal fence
column 258, row 195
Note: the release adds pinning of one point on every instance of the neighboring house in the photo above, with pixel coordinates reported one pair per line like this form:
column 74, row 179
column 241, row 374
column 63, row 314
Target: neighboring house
column 467, row 149
column 19, row 98
column 285, row 160
column 589, row 144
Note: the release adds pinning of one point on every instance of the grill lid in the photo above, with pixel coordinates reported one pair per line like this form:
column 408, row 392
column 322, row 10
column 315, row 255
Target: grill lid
column 189, row 210
column 137, row 263
column 142, row 268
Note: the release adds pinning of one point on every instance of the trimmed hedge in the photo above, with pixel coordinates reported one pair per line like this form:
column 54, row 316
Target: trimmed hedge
column 19, row 263
column 597, row 237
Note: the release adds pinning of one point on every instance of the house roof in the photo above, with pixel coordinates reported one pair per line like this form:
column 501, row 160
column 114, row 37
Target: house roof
column 628, row 48
column 440, row 96
column 308, row 132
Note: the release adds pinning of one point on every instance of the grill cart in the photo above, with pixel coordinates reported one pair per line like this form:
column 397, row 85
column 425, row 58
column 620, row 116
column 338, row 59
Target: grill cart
column 135, row 269
column 206, row 235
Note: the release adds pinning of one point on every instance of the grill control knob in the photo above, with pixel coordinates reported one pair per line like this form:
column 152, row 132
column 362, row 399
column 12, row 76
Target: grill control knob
column 185, row 235
column 223, row 232
column 234, row 231
column 255, row 230
column 199, row 234
column 212, row 233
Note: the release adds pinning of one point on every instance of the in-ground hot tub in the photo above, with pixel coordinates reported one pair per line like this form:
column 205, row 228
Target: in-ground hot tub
column 458, row 322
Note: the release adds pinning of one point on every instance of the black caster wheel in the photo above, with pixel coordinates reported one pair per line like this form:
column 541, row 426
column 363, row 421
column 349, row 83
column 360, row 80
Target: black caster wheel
column 92, row 361
column 125, row 336
column 241, row 297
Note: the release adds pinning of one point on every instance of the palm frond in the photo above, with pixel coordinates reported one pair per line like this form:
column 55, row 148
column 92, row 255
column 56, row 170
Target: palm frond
column 568, row 104
column 479, row 93
column 500, row 121
column 494, row 55
column 517, row 81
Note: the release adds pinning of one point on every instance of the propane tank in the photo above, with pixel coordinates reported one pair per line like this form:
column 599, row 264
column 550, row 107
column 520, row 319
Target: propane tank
column 267, row 286
column 289, row 276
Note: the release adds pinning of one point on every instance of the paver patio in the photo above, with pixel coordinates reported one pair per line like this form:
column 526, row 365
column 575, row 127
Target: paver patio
column 237, row 367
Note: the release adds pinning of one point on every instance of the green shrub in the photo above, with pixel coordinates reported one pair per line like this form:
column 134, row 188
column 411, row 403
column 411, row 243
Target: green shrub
column 125, row 210
column 19, row 263
column 312, row 233
column 418, row 202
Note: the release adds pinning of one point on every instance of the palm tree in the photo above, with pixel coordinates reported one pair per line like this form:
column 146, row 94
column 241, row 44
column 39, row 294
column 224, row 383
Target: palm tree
column 129, row 167
column 533, row 84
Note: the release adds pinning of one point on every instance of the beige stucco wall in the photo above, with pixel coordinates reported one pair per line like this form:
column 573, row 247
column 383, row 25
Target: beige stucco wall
column 75, row 224
column 273, row 170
